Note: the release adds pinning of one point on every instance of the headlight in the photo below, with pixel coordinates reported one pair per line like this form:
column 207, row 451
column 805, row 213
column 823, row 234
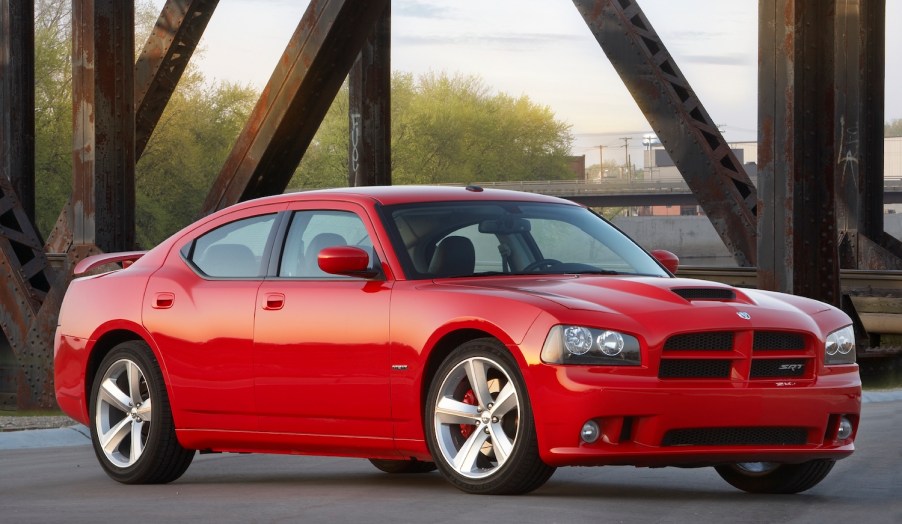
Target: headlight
column 840, row 347
column 583, row 345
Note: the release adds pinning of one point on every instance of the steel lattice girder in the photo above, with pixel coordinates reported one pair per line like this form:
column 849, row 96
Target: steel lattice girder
column 369, row 109
column 677, row 116
column 295, row 100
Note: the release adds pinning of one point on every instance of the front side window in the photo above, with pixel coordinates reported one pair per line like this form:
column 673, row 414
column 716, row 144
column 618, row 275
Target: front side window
column 235, row 250
column 453, row 239
column 311, row 231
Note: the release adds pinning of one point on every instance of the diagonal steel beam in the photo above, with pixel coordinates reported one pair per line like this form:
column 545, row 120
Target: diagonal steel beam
column 295, row 100
column 690, row 136
column 164, row 59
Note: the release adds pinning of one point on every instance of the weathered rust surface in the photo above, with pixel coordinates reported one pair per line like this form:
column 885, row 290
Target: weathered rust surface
column 165, row 56
column 798, row 240
column 369, row 109
column 157, row 72
column 103, row 196
column 677, row 116
column 25, row 281
column 295, row 100
column 17, row 99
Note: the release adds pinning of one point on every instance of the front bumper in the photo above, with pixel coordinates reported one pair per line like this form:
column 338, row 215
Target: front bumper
column 646, row 421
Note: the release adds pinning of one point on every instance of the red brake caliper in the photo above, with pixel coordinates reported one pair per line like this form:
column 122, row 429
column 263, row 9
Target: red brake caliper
column 467, row 429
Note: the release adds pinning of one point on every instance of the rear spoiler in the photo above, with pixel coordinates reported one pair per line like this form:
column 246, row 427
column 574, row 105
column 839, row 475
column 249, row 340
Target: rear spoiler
column 94, row 261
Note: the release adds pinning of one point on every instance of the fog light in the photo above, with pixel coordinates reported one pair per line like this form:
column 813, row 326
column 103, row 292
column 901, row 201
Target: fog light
column 845, row 429
column 589, row 433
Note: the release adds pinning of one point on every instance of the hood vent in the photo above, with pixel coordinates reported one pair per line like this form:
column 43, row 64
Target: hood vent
column 705, row 293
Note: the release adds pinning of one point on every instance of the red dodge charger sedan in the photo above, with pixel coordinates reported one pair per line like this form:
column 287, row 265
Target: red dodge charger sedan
column 493, row 335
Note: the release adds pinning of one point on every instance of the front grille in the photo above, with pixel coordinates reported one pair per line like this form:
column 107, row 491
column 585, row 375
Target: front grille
column 705, row 293
column 707, row 341
column 778, row 340
column 754, row 436
column 778, row 368
column 673, row 368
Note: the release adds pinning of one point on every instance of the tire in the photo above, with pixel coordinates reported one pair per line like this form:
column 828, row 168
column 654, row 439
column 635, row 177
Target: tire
column 479, row 424
column 767, row 477
column 403, row 466
column 131, row 421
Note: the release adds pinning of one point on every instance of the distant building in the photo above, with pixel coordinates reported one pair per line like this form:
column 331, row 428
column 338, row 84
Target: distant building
column 577, row 164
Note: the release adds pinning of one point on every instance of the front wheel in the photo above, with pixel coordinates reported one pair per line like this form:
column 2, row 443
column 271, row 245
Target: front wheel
column 769, row 477
column 479, row 423
column 131, row 422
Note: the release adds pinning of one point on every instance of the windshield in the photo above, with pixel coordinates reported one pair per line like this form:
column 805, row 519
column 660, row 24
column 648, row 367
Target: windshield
column 456, row 239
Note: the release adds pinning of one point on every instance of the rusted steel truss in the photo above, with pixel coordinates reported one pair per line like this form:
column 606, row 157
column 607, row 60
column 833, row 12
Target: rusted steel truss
column 295, row 100
column 106, row 102
column 369, row 109
column 820, row 141
column 164, row 59
column 158, row 70
column 17, row 96
column 687, row 132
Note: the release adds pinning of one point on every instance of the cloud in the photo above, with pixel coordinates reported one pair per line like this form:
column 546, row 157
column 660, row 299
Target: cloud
column 730, row 60
column 416, row 9
column 509, row 41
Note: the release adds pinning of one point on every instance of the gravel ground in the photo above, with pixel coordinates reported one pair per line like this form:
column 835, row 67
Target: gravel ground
column 34, row 422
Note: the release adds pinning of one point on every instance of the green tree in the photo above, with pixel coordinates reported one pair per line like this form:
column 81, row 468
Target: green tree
column 448, row 129
column 893, row 128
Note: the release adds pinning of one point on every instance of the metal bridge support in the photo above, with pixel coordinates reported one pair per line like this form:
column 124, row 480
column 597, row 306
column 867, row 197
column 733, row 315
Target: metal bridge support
column 295, row 100
column 690, row 136
column 103, row 194
column 820, row 119
column 157, row 72
column 17, row 99
column 369, row 109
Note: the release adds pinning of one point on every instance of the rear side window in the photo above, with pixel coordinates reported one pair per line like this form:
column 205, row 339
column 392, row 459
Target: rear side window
column 235, row 250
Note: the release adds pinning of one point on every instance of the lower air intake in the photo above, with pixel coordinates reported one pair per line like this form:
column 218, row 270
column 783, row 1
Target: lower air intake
column 756, row 436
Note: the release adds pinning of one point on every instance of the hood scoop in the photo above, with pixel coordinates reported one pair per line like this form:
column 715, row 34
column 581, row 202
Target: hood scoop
column 705, row 293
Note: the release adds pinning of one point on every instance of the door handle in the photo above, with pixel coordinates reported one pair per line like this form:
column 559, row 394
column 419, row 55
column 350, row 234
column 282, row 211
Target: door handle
column 274, row 301
column 163, row 300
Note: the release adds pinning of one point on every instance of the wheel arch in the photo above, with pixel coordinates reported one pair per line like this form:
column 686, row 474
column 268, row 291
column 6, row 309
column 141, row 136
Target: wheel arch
column 448, row 342
column 104, row 343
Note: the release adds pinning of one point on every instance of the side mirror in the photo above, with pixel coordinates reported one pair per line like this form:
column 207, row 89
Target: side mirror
column 667, row 259
column 346, row 260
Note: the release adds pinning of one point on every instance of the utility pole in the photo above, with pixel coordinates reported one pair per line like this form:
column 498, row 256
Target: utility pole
column 601, row 162
column 626, row 156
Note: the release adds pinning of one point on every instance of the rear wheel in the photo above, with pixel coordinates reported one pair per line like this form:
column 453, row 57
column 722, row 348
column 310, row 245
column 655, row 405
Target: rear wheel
column 479, row 424
column 403, row 466
column 771, row 477
column 131, row 422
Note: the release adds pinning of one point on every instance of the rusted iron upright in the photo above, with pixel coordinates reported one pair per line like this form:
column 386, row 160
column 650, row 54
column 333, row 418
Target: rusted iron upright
column 103, row 194
column 677, row 116
column 860, row 51
column 158, row 70
column 369, row 109
column 295, row 100
column 17, row 99
column 797, row 240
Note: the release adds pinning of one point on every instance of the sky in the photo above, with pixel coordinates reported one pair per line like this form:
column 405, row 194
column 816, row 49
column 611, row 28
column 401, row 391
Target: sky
column 542, row 49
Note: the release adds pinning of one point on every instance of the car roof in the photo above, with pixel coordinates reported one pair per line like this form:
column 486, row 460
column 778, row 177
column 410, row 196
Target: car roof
column 391, row 195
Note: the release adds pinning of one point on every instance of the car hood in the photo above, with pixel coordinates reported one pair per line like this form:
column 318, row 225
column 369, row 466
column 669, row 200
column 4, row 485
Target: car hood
column 683, row 304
